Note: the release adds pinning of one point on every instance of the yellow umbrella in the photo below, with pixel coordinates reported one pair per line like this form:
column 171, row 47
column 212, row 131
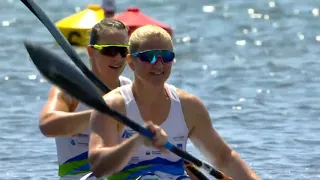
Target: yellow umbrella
column 76, row 28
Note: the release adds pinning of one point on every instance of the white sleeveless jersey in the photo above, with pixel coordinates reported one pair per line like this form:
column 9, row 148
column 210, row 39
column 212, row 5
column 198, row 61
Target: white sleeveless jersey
column 150, row 163
column 72, row 151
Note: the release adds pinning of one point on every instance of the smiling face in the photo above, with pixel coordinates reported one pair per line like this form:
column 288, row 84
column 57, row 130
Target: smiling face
column 109, row 62
column 151, row 38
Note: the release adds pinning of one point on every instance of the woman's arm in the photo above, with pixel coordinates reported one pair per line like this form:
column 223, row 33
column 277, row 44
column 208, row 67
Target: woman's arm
column 209, row 142
column 106, row 154
column 56, row 118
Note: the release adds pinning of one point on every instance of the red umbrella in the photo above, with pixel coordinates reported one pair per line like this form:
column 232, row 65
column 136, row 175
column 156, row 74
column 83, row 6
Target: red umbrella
column 134, row 19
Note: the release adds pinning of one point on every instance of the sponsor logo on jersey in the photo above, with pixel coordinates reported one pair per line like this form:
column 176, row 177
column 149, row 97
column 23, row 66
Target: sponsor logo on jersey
column 179, row 138
column 179, row 146
column 128, row 133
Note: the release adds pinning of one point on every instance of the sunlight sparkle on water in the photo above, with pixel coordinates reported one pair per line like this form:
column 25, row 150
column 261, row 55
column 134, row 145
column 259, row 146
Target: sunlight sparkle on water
column 237, row 107
column 300, row 36
column 214, row 73
column 205, row 67
column 250, row 11
column 32, row 77
column 186, row 39
column 254, row 30
column 208, row 9
column 5, row 23
column 242, row 99
column 272, row 4
column 256, row 16
column 315, row 12
column 77, row 9
column 241, row 42
column 258, row 43
column 43, row 80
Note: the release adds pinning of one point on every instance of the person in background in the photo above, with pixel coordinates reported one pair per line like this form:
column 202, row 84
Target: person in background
column 65, row 118
column 109, row 8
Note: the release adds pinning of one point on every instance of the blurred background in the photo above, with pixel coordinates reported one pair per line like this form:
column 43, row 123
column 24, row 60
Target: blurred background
column 254, row 63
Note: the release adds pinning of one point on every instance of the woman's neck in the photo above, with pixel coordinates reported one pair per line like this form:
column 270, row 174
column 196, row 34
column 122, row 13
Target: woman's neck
column 147, row 93
column 111, row 84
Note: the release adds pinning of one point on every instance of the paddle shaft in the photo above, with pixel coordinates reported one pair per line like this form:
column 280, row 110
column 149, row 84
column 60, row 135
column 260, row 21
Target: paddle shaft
column 66, row 46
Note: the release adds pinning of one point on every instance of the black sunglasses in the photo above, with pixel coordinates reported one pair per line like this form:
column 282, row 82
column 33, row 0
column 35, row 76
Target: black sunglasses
column 112, row 49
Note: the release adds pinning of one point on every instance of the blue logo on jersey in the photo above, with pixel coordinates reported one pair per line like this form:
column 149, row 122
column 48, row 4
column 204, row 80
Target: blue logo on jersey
column 73, row 142
column 179, row 146
column 128, row 133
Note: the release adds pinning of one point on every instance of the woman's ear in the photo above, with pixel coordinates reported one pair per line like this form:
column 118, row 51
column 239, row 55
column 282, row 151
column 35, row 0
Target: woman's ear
column 130, row 63
column 94, row 67
column 128, row 58
column 90, row 51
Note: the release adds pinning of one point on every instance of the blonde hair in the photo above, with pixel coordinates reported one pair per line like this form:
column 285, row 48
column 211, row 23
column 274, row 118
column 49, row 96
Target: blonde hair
column 146, row 32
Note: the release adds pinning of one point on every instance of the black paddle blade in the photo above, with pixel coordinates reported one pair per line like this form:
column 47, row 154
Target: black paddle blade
column 64, row 75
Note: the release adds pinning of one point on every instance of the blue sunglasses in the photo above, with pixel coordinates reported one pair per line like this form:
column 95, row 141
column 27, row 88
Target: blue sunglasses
column 151, row 56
